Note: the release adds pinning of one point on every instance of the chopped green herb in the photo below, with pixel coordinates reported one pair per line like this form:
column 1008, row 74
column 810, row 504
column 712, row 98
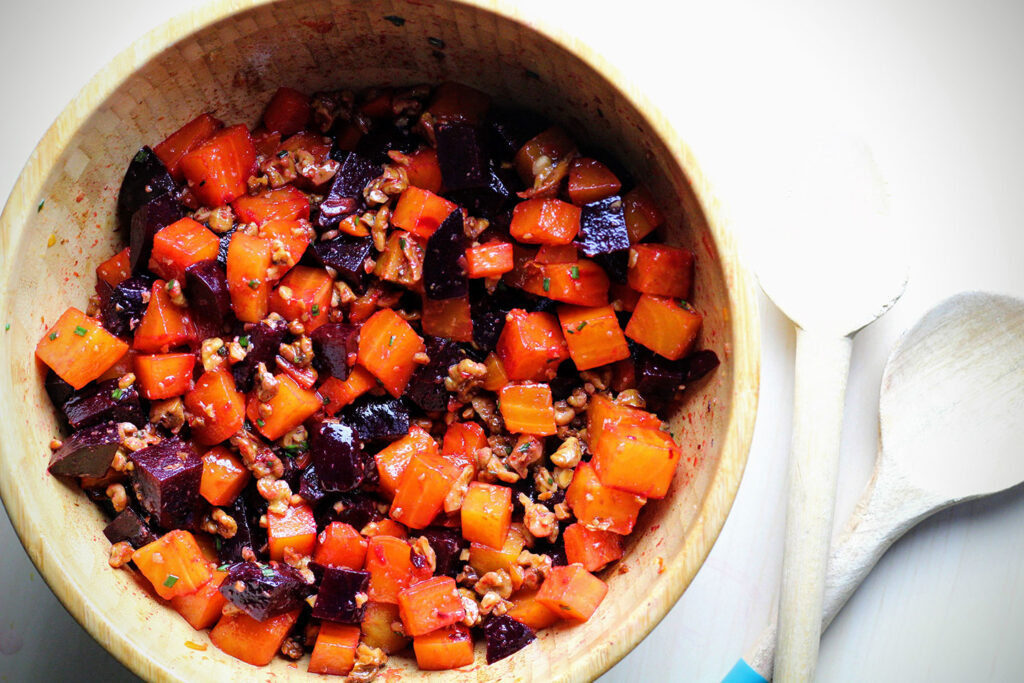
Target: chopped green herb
column 53, row 335
column 116, row 394
column 80, row 331
column 244, row 341
column 401, row 242
column 223, row 567
column 170, row 580
column 532, row 74
column 40, row 207
column 581, row 325
column 141, row 156
column 391, row 341
column 547, row 284
column 575, row 273
column 525, row 447
column 326, row 400
column 222, row 351
column 267, row 571
column 261, row 423
column 295, row 449
column 7, row 327
column 254, row 284
column 217, row 542
column 282, row 154
column 315, row 310
column 395, row 19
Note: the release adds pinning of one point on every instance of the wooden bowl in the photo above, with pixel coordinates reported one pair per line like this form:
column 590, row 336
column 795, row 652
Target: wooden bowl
column 230, row 60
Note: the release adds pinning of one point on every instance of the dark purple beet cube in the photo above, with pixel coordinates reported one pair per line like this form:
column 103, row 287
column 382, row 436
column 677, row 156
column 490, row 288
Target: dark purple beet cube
column 146, row 179
column 603, row 227
column 426, row 388
column 147, row 220
column 337, row 453
column 57, row 389
column 250, row 534
column 488, row 201
column 336, row 601
column 378, row 419
column 166, row 481
column 264, row 591
column 332, row 344
column 447, row 544
column 383, row 138
column 698, row 364
column 460, row 154
column 510, row 129
column 444, row 261
column 309, row 486
column 129, row 526
column 356, row 508
column 87, row 452
column 657, row 378
column 122, row 307
column 104, row 402
column 505, row 636
column 206, row 288
column 222, row 248
column 346, row 193
column 346, row 255
column 262, row 341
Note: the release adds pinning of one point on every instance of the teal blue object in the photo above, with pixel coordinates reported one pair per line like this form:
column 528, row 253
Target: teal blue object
column 742, row 673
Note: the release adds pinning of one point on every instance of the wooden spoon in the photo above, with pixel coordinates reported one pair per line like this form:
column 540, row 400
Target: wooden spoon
column 954, row 385
column 831, row 263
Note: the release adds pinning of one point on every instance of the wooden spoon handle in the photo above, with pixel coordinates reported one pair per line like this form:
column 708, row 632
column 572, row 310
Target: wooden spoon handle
column 819, row 392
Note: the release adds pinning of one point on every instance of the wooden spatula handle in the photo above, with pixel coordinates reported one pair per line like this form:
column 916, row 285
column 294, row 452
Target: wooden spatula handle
column 819, row 391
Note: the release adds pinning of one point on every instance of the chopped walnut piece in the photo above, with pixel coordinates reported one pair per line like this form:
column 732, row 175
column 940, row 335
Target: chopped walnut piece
column 599, row 378
column 528, row 450
column 210, row 353
column 457, row 493
column 492, row 603
column 494, row 468
column 464, row 377
column 631, row 398
column 299, row 352
column 538, row 519
column 427, row 557
column 329, row 106
column 471, row 607
column 568, row 454
column 118, row 497
column 93, row 309
column 563, row 477
column 237, row 352
column 126, row 380
column 563, row 413
column 369, row 661
column 292, row 647
column 266, row 384
column 579, row 399
column 562, row 511
column 545, row 483
column 276, row 492
column 317, row 173
column 120, row 554
column 392, row 182
column 497, row 581
column 168, row 413
column 474, row 227
column 256, row 456
column 487, row 409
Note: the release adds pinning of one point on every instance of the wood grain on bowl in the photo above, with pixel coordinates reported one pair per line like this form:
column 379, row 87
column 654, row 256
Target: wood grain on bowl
column 231, row 56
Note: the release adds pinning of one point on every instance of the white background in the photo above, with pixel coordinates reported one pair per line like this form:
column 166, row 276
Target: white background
column 937, row 88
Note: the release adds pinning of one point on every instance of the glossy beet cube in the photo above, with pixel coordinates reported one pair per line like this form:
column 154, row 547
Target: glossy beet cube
column 383, row 138
column 505, row 636
column 510, row 129
column 122, row 307
column 264, row 339
column 346, row 255
column 346, row 193
column 444, row 262
column 337, row 453
column 104, row 402
column 309, row 486
column 460, row 154
column 657, row 378
column 264, row 591
column 147, row 221
column 332, row 344
column 426, row 389
column 57, row 389
column 490, row 200
column 246, row 511
column 222, row 250
column 378, row 419
column 698, row 364
column 355, row 508
column 336, row 600
column 206, row 288
column 146, row 179
column 129, row 526
column 603, row 227
column 446, row 544
column 166, row 480
column 87, row 452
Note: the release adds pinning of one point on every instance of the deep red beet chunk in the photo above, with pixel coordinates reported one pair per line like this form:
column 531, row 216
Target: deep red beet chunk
column 337, row 452
column 146, row 179
column 347, row 256
column 378, row 419
column 264, row 591
column 332, row 344
column 446, row 544
column 262, row 341
column 166, row 481
column 147, row 221
column 88, row 452
column 104, row 402
column 122, row 307
column 460, row 154
column 129, row 526
column 603, row 227
column 426, row 389
column 337, row 598
column 346, row 193
column 505, row 636
column 206, row 288
column 444, row 260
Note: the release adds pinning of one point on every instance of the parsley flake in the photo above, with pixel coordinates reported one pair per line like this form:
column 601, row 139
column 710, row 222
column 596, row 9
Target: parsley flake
column 295, row 449
column 254, row 284
column 547, row 284
column 267, row 571
column 244, row 341
column 223, row 567
column 40, row 207
column 261, row 423
column 53, row 335
column 402, row 242
column 326, row 400
column 315, row 310
column 141, row 156
column 575, row 273
column 391, row 341
column 395, row 19
column 170, row 580
column 80, row 331
column 7, row 327
column 581, row 325
column 116, row 394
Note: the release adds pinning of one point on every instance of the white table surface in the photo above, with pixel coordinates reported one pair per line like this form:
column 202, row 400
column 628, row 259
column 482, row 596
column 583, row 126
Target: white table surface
column 936, row 87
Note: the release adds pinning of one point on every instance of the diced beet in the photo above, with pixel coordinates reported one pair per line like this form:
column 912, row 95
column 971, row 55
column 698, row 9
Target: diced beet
column 166, row 481
column 444, row 261
column 336, row 600
column 147, row 220
column 309, row 486
column 250, row 534
column 104, row 402
column 356, row 508
column 556, row 550
column 146, row 179
column 332, row 344
column 460, row 154
column 447, row 544
column 222, row 248
column 337, row 454
column 206, row 289
column 383, row 138
column 505, row 636
column 378, row 419
column 264, row 591
column 615, row 264
column 426, row 388
column 698, row 364
column 346, row 255
column 510, row 129
column 57, row 389
column 567, row 379
column 264, row 339
column 129, row 526
column 657, row 378
column 122, row 307
column 87, row 452
column 346, row 193
column 490, row 200
column 603, row 227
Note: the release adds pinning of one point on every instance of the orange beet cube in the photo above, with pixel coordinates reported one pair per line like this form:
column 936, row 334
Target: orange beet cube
column 420, row 211
column 642, row 216
column 601, row 507
column 389, row 562
column 486, row 514
column 218, row 169
column 179, row 245
column 545, row 221
column 295, row 529
column 489, row 260
column 485, row 559
column 224, row 476
column 640, row 461
column 287, row 112
column 593, row 335
column 202, row 609
column 496, row 376
column 448, row 318
column 557, row 253
column 422, row 489
column 247, row 274
column 531, row 345
column 184, row 140
column 304, row 295
column 290, row 407
column 527, row 409
column 603, row 413
column 340, row 545
column 430, row 605
column 461, row 442
column 553, row 143
column 387, row 348
column 293, row 236
column 385, row 527
column 665, row 326
column 164, row 375
column 591, row 181
column 423, row 170
column 527, row 610
column 254, row 642
column 660, row 269
column 163, row 325
column 115, row 269
column 446, row 648
column 216, row 408
column 392, row 460
column 337, row 394
column 458, row 102
column 572, row 592
column 78, row 349
column 593, row 548
column 286, row 203
column 335, row 649
column 378, row 629
column 583, row 283
column 174, row 564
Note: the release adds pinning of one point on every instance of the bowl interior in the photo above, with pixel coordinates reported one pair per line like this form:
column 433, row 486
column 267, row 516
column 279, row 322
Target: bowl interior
column 230, row 63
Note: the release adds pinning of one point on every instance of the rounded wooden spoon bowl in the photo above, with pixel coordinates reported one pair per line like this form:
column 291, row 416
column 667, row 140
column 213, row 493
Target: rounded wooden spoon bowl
column 229, row 59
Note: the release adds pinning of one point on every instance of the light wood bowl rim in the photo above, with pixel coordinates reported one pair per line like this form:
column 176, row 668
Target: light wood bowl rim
column 743, row 319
